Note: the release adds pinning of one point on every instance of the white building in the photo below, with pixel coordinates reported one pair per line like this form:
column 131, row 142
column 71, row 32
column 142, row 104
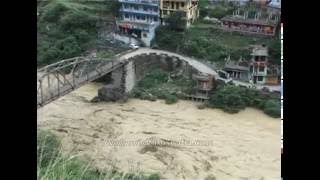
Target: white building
column 139, row 18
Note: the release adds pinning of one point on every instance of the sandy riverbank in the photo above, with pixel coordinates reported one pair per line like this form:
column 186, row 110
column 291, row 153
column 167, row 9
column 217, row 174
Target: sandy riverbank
column 242, row 146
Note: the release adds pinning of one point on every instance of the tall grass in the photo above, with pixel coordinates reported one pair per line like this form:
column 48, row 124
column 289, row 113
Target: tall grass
column 52, row 164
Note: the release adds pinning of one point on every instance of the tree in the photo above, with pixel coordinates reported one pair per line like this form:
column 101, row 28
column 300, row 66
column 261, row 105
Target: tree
column 68, row 47
column 176, row 21
column 54, row 12
column 275, row 51
column 114, row 6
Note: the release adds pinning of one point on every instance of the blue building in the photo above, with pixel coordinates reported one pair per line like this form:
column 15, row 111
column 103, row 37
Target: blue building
column 139, row 18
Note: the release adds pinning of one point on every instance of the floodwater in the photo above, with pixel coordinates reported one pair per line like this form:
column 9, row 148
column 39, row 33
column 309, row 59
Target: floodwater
column 196, row 144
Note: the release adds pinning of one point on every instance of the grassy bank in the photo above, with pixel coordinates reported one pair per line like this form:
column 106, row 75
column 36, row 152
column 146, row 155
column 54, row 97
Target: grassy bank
column 52, row 164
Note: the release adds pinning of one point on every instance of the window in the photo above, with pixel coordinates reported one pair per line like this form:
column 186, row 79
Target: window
column 145, row 35
column 260, row 78
column 165, row 12
column 145, row 8
column 262, row 58
column 166, row 4
column 182, row 4
column 136, row 7
column 155, row 19
column 138, row 17
column 126, row 6
column 172, row 5
column 261, row 69
column 251, row 68
column 126, row 15
column 177, row 5
column 143, row 17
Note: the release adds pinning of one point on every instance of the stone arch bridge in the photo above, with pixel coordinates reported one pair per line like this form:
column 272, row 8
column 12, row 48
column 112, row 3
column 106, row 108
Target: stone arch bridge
column 58, row 79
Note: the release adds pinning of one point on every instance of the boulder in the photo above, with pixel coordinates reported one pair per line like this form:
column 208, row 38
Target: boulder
column 111, row 93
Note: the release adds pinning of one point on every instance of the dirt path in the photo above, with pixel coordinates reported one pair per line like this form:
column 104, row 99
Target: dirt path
column 233, row 147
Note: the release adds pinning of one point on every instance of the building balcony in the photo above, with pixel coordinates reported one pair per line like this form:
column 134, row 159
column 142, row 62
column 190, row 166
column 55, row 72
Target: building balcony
column 137, row 24
column 257, row 63
column 139, row 11
column 143, row 2
column 247, row 31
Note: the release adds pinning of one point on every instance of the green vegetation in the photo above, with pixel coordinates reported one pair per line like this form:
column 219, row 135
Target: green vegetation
column 218, row 11
column 232, row 99
column 168, row 39
column 68, row 28
column 272, row 108
column 171, row 99
column 207, row 42
column 159, row 85
column 176, row 22
column 52, row 164
column 275, row 51
column 204, row 40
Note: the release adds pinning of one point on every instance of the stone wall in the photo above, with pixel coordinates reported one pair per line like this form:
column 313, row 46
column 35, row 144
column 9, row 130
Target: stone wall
column 130, row 77
column 117, row 76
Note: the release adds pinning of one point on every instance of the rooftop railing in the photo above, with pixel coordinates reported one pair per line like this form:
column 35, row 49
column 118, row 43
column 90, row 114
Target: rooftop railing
column 151, row 2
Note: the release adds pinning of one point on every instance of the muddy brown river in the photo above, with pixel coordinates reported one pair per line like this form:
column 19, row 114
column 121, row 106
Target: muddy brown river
column 177, row 141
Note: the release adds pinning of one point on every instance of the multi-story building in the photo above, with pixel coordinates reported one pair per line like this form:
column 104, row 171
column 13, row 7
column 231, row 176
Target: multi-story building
column 262, row 72
column 139, row 18
column 258, row 65
column 188, row 7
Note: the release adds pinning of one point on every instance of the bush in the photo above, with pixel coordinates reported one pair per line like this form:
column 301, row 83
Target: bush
column 47, row 56
column 171, row 99
column 232, row 99
column 74, row 20
column 229, row 98
column 167, row 39
column 54, row 12
column 176, row 22
column 272, row 108
column 153, row 79
column 68, row 47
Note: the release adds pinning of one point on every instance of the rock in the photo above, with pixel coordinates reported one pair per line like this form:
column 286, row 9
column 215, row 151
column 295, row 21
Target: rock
column 111, row 93
column 95, row 99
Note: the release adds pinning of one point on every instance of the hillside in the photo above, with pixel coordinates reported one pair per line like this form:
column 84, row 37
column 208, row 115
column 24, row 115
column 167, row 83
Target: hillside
column 205, row 40
column 68, row 28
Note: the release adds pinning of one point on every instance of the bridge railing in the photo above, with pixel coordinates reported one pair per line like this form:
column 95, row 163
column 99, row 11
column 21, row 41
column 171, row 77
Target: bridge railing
column 60, row 78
